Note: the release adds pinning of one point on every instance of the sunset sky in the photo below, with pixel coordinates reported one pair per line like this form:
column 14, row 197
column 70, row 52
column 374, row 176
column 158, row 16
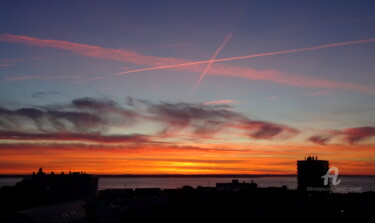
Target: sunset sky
column 186, row 87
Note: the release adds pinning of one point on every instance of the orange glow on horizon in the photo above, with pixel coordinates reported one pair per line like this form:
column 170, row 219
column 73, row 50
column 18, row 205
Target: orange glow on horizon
column 151, row 159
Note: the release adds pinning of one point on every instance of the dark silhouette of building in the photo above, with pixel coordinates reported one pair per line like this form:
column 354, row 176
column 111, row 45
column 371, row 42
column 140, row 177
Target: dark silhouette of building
column 227, row 202
column 236, row 185
column 310, row 172
column 57, row 187
column 41, row 189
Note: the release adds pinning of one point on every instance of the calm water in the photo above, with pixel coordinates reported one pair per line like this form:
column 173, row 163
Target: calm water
column 112, row 183
column 365, row 183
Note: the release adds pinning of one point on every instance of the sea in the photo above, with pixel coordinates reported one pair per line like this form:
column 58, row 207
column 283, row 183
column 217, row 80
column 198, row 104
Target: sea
column 347, row 183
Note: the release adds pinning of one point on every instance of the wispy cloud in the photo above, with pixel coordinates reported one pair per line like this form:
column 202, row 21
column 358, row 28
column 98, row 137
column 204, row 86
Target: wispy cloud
column 39, row 77
column 42, row 94
column 196, row 66
column 319, row 139
column 91, row 51
column 211, row 119
column 14, row 61
column 348, row 135
column 224, row 101
column 81, row 137
column 355, row 135
column 6, row 65
column 272, row 98
column 94, row 117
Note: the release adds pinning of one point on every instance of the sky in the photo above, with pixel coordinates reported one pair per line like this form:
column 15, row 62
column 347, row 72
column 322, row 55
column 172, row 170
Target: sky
column 186, row 87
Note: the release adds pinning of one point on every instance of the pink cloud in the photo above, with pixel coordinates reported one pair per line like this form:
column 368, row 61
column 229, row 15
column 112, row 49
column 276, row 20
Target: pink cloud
column 318, row 139
column 197, row 66
column 91, row 51
column 349, row 135
column 224, row 101
column 354, row 135
column 5, row 65
column 272, row 98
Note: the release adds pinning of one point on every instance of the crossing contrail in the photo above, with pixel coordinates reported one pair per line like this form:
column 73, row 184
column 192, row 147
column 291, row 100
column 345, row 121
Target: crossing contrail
column 331, row 45
column 227, row 38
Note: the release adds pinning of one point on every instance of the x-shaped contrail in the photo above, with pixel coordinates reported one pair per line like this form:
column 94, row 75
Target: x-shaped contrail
column 355, row 42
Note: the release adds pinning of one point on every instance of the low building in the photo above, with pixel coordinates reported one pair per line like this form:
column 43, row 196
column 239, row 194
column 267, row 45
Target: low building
column 236, row 185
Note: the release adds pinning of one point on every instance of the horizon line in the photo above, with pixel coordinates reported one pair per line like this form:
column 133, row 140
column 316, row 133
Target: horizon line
column 185, row 175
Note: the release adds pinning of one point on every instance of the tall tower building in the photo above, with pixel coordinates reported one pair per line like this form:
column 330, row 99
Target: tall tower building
column 310, row 172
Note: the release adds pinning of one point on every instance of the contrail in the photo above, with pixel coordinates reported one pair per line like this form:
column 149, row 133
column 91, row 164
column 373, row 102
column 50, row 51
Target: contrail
column 227, row 38
column 355, row 42
column 5, row 65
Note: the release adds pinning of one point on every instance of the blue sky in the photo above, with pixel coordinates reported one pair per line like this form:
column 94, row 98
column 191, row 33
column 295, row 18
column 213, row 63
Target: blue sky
column 193, row 30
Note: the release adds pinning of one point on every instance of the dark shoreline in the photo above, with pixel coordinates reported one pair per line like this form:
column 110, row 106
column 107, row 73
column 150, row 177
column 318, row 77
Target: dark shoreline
column 186, row 176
